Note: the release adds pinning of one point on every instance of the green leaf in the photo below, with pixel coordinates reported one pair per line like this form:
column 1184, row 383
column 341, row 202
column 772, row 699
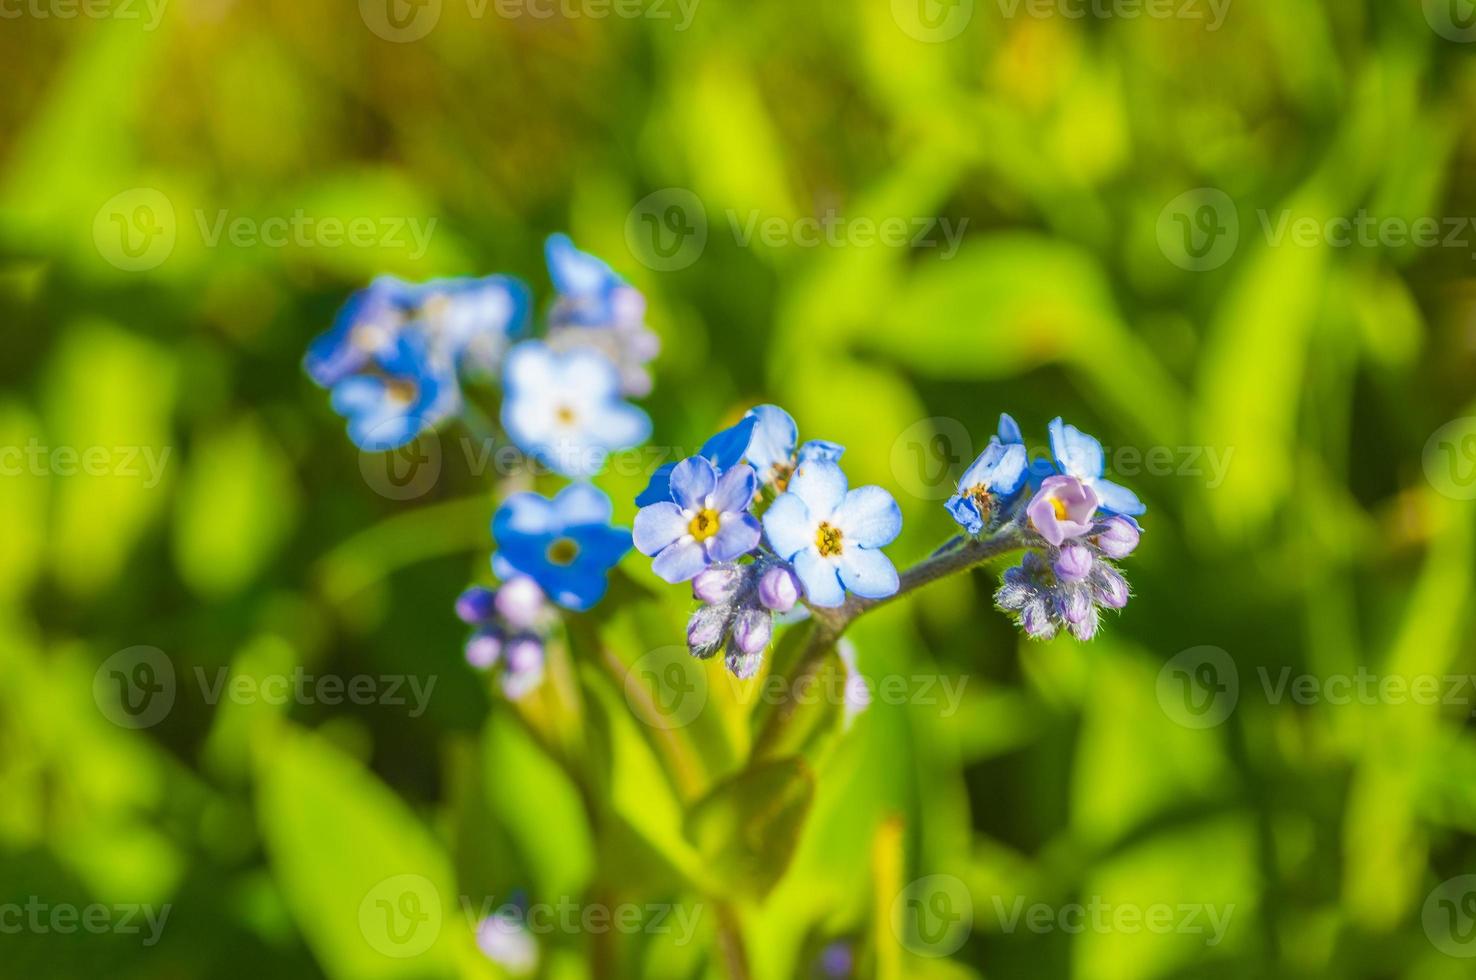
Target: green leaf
column 747, row 828
column 369, row 886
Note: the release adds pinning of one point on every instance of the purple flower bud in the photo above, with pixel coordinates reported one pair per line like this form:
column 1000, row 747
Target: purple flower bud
column 1109, row 588
column 706, row 630
column 752, row 630
column 779, row 588
column 1032, row 565
column 743, row 665
column 1036, row 620
column 1076, row 605
column 525, row 655
column 483, row 649
column 1087, row 627
column 717, row 583
column 520, row 601
column 1013, row 595
column 1118, row 536
column 475, row 605
column 1074, row 563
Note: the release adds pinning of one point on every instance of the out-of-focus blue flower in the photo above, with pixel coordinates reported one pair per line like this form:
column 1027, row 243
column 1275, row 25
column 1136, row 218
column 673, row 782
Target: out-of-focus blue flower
column 706, row 520
column 832, row 536
column 599, row 309
column 460, row 322
column 398, row 395
column 724, row 451
column 566, row 544
column 565, row 408
column 1079, row 455
column 994, row 480
column 771, row 448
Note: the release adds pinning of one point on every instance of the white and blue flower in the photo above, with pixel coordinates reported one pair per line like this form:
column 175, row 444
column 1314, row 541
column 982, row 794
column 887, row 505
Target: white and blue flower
column 1079, row 455
column 565, row 409
column 832, row 536
column 398, row 394
column 704, row 521
column 993, row 481
column 566, row 545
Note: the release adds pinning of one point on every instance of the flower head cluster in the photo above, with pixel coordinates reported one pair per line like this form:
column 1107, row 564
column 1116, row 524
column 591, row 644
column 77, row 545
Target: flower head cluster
column 1076, row 525
column 509, row 626
column 757, row 521
column 395, row 354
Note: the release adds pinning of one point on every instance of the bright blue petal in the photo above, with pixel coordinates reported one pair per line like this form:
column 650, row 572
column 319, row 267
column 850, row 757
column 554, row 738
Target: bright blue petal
column 525, row 514
column 738, row 535
column 868, row 573
column 658, row 489
column 1077, row 453
column 868, row 517
column 573, row 586
column 773, row 438
column 821, row 485
column 1118, row 499
column 727, row 448
column 820, row 449
column 600, row 545
column 981, row 470
column 657, row 526
column 692, row 481
column 735, row 490
column 820, row 579
column 1009, row 431
column 789, row 526
column 680, row 561
column 582, row 503
column 966, row 513
column 1010, row 471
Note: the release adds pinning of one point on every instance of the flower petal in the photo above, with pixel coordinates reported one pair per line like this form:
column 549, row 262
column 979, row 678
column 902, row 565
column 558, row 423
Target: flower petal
column 789, row 525
column 618, row 425
column 657, row 526
column 576, row 273
column 869, row 517
column 525, row 514
column 680, row 561
column 773, row 439
column 1118, row 499
column 868, row 573
column 1077, row 453
column 981, row 470
column 738, row 534
column 820, row 579
column 735, row 490
column 659, row 489
column 600, row 546
column 966, row 513
column 822, row 449
column 727, row 448
column 529, row 366
column 1009, row 430
column 821, row 485
column 692, row 481
column 582, row 503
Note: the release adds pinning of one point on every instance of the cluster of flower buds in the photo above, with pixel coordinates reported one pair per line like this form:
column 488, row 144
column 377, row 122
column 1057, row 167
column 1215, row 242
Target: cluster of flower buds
column 510, row 625
column 1065, row 584
column 739, row 601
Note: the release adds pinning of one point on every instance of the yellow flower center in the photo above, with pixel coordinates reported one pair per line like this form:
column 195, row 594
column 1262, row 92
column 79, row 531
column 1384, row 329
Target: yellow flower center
column 563, row 551
column 704, row 525
column 565, row 415
column 982, row 498
column 1059, row 506
column 828, row 540
column 400, row 391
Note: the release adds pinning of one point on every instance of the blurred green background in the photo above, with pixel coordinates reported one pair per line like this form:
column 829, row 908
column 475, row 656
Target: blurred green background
column 1337, row 537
